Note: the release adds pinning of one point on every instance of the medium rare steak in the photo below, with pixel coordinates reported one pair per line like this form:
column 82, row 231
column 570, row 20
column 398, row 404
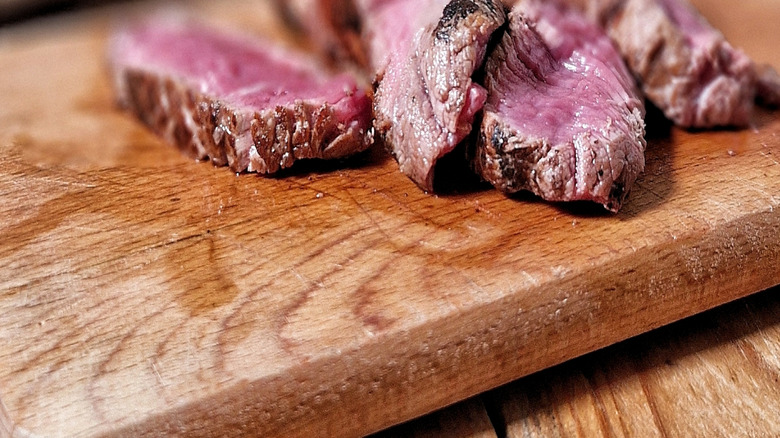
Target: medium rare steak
column 563, row 117
column 248, row 104
column 685, row 66
column 425, row 54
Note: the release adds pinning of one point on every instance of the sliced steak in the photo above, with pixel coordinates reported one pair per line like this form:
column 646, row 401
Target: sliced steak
column 425, row 56
column 563, row 117
column 248, row 104
column 686, row 67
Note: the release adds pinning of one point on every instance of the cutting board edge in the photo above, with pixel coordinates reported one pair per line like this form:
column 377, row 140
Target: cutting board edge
column 460, row 367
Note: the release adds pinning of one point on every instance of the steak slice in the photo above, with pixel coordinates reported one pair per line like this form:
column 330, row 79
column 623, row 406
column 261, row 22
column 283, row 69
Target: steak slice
column 685, row 66
column 251, row 105
column 425, row 56
column 563, row 117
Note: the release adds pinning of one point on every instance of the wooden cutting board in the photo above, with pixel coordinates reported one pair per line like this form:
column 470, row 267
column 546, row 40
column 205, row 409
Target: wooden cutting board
column 142, row 294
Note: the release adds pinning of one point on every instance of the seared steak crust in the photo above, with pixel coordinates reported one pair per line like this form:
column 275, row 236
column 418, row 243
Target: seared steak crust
column 426, row 100
column 513, row 162
column 563, row 118
column 205, row 128
column 455, row 11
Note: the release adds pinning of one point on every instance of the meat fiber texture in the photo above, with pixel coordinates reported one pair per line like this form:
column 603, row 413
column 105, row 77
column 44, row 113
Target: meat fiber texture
column 685, row 66
column 425, row 54
column 248, row 104
column 563, row 118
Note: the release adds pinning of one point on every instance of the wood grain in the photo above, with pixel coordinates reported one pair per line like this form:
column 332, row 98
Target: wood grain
column 712, row 375
column 146, row 295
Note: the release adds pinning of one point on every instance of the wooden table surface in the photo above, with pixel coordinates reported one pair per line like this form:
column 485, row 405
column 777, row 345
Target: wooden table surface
column 142, row 294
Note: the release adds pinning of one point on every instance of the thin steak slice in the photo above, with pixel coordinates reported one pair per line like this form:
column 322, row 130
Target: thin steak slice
column 249, row 104
column 686, row 67
column 425, row 54
column 563, row 117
